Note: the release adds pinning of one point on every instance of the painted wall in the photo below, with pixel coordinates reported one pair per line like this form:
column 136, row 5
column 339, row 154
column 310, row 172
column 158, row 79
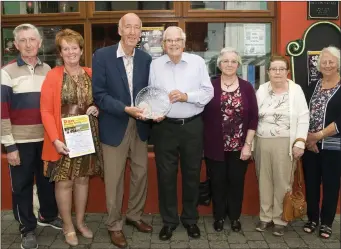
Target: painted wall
column 292, row 23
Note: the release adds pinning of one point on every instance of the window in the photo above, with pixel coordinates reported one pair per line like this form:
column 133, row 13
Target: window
column 47, row 52
column 251, row 40
column 38, row 7
column 107, row 34
column 132, row 5
column 229, row 5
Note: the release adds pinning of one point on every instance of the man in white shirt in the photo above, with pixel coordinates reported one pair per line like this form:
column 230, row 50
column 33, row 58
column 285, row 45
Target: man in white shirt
column 179, row 135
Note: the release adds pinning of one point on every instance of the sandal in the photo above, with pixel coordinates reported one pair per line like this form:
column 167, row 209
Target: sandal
column 325, row 232
column 85, row 231
column 71, row 238
column 310, row 227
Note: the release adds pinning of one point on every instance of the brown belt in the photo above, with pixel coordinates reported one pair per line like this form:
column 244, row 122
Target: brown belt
column 73, row 110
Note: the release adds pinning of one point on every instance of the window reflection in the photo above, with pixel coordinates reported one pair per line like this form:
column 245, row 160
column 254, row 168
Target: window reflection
column 132, row 5
column 229, row 5
column 252, row 41
column 47, row 52
column 104, row 35
column 38, row 7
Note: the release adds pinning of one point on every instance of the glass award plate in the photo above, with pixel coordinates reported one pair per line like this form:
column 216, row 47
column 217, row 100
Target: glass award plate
column 154, row 101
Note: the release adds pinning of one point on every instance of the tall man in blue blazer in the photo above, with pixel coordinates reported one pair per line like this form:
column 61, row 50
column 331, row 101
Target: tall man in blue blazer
column 119, row 73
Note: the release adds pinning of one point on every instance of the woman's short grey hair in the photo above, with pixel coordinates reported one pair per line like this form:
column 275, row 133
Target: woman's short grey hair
column 334, row 51
column 228, row 50
column 183, row 35
column 26, row 26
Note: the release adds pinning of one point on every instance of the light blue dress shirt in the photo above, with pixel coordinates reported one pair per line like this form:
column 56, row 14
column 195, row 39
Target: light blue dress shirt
column 189, row 76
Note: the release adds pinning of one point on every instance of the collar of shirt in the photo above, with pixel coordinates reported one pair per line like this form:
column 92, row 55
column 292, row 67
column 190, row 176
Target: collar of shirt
column 21, row 62
column 120, row 51
column 184, row 57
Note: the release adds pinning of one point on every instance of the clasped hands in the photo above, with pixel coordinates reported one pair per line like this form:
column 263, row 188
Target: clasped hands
column 312, row 139
column 137, row 113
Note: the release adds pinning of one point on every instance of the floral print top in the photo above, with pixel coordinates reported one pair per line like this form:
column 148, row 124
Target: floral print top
column 317, row 106
column 274, row 116
column 232, row 113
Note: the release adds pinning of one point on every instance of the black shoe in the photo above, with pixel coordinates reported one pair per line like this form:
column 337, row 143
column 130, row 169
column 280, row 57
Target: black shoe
column 166, row 233
column 218, row 225
column 193, row 231
column 235, row 225
column 57, row 223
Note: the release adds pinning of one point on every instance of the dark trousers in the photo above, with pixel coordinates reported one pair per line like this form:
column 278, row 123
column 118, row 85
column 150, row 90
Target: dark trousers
column 325, row 168
column 22, row 180
column 227, row 185
column 170, row 142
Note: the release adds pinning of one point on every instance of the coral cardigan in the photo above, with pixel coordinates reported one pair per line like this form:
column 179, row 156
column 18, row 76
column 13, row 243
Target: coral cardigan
column 50, row 109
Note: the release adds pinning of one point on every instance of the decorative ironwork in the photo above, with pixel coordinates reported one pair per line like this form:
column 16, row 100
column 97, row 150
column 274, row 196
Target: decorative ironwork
column 297, row 47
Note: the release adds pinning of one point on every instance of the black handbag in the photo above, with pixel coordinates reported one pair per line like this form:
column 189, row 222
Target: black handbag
column 205, row 191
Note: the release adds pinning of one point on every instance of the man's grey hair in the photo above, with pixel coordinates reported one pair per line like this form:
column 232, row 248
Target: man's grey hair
column 228, row 50
column 183, row 35
column 334, row 51
column 26, row 26
column 121, row 20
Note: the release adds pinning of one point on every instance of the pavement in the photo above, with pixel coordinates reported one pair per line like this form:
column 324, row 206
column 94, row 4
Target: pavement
column 295, row 237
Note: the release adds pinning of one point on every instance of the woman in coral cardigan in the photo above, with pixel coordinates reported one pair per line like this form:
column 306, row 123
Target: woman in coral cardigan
column 67, row 92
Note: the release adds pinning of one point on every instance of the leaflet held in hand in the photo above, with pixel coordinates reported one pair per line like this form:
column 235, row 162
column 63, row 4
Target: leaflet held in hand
column 78, row 136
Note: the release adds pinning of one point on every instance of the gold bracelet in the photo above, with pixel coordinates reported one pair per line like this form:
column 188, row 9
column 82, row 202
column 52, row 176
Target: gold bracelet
column 322, row 134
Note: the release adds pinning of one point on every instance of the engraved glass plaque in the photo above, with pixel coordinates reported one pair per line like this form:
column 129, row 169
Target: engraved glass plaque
column 154, row 101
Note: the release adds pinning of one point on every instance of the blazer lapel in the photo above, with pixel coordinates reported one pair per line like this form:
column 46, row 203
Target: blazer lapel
column 122, row 70
column 135, row 77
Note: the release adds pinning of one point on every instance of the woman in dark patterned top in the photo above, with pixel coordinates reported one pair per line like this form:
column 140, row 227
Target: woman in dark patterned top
column 66, row 92
column 280, row 138
column 321, row 161
column 230, row 121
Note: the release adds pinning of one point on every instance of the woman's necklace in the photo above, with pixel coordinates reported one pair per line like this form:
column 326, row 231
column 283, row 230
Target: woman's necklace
column 229, row 85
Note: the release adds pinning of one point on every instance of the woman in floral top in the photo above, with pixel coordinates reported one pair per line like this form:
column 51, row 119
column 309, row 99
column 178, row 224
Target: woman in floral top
column 283, row 122
column 323, row 156
column 230, row 121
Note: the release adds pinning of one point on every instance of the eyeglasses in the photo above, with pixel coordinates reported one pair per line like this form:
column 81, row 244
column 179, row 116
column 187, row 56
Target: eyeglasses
column 233, row 62
column 177, row 41
column 275, row 70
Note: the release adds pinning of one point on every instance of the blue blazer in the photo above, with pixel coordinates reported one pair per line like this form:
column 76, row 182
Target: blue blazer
column 111, row 92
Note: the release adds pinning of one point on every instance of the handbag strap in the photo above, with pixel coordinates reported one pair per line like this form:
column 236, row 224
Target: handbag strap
column 299, row 173
column 298, row 168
